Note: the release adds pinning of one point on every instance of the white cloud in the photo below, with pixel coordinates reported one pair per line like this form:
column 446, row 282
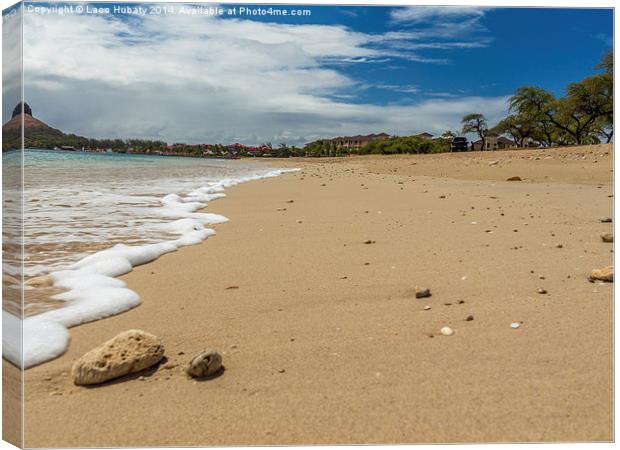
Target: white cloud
column 205, row 79
column 419, row 14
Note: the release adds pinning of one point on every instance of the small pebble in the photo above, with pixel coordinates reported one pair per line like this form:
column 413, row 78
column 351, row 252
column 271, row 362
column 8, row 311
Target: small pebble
column 447, row 331
column 515, row 325
column 204, row 364
column 469, row 318
column 426, row 308
column 606, row 219
column 607, row 237
column 542, row 290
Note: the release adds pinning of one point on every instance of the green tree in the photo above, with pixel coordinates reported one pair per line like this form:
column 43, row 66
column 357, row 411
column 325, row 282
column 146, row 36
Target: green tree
column 448, row 134
column 519, row 127
column 476, row 123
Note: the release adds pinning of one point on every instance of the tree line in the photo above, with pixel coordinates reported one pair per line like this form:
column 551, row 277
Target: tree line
column 583, row 115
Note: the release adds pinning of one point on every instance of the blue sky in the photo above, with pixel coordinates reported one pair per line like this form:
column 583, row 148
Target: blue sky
column 548, row 47
column 342, row 70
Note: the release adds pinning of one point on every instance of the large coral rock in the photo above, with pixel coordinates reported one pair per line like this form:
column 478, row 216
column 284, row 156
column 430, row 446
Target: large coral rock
column 129, row 352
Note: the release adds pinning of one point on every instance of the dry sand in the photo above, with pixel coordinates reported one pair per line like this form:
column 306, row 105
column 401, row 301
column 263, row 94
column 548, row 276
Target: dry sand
column 323, row 339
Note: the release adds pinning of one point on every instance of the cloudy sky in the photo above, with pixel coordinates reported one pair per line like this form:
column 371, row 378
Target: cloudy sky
column 340, row 70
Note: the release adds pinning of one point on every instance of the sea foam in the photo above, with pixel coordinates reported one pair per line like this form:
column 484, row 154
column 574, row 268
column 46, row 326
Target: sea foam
column 92, row 290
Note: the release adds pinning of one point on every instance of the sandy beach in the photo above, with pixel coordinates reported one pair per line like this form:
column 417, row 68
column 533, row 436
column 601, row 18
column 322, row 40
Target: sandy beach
column 309, row 294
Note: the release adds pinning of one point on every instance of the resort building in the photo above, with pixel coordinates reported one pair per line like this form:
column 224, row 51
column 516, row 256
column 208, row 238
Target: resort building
column 494, row 143
column 356, row 142
column 425, row 135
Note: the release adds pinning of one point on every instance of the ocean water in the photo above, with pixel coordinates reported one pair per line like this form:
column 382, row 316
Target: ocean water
column 91, row 217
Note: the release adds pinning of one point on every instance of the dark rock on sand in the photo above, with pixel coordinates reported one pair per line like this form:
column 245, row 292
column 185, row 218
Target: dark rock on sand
column 204, row 364
column 607, row 237
column 422, row 293
column 128, row 352
column 514, row 179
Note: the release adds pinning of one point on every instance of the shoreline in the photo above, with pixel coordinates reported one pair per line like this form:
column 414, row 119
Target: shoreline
column 337, row 316
column 48, row 332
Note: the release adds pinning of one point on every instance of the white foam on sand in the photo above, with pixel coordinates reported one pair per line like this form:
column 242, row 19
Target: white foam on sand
column 93, row 292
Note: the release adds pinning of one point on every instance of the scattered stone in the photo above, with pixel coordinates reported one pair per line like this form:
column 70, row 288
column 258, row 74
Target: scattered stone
column 369, row 242
column 299, row 221
column 604, row 274
column 447, row 331
column 290, row 201
column 493, row 163
column 515, row 325
column 427, row 307
column 461, row 302
column 204, row 364
column 606, row 219
column 281, row 370
column 607, row 237
column 514, row 179
column 422, row 293
column 280, row 209
column 559, row 246
column 542, row 290
column 232, row 287
column 469, row 318
column 128, row 352
column 442, row 196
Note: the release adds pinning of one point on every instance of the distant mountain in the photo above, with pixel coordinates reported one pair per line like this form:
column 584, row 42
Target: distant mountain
column 36, row 133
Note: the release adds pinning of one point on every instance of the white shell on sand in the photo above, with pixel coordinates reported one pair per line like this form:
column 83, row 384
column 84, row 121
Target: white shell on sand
column 515, row 325
column 447, row 331
column 128, row 352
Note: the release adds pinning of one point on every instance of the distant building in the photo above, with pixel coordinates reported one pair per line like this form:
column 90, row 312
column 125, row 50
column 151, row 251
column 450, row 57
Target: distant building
column 356, row 142
column 494, row 143
column 425, row 135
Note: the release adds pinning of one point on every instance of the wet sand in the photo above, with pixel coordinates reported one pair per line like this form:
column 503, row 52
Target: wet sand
column 322, row 337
